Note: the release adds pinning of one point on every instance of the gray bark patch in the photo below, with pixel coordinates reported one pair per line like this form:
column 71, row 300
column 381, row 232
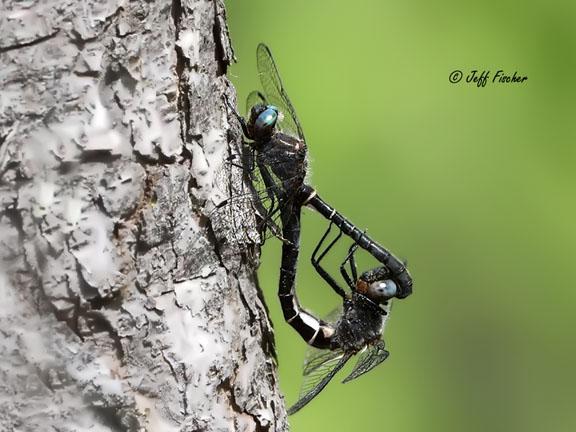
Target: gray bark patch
column 122, row 307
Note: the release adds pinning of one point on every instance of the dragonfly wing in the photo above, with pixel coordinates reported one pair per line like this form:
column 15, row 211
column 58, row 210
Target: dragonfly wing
column 317, row 379
column 245, row 202
column 315, row 360
column 275, row 92
column 234, row 221
column 333, row 316
column 319, row 367
column 254, row 98
column 368, row 360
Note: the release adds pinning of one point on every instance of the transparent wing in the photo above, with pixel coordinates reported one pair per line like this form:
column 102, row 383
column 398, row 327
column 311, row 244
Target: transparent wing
column 275, row 92
column 254, row 98
column 315, row 360
column 333, row 315
column 317, row 373
column 318, row 379
column 387, row 308
column 234, row 221
column 371, row 357
column 319, row 366
column 245, row 202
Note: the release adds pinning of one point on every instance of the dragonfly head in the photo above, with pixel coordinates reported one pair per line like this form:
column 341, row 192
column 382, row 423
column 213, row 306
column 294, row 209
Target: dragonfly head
column 263, row 119
column 377, row 285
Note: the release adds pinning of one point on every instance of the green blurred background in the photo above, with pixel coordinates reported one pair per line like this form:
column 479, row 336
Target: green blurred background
column 474, row 186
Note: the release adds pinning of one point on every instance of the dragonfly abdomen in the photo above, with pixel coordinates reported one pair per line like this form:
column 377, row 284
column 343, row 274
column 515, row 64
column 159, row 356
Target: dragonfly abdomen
column 397, row 269
column 315, row 332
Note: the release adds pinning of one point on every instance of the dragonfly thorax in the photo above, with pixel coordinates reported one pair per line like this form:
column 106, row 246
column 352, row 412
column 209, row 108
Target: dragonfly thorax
column 361, row 323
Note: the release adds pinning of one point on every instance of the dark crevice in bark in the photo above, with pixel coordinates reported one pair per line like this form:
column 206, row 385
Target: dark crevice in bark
column 87, row 74
column 219, row 52
column 186, row 154
column 15, row 217
column 214, row 241
column 66, row 167
column 148, row 197
column 80, row 42
column 98, row 156
column 170, row 239
column 185, row 401
column 227, row 388
column 98, row 323
column 4, row 137
column 117, row 72
column 268, row 342
column 157, row 159
column 224, row 51
column 99, row 202
column 29, row 43
column 247, row 307
column 182, row 64
column 109, row 416
column 71, row 315
column 87, row 291
column 81, row 316
column 192, row 182
column 118, row 101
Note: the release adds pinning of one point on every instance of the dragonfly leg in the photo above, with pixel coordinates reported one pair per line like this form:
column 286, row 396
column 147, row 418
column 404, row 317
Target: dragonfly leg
column 353, row 269
column 271, row 188
column 316, row 262
column 248, row 149
column 242, row 167
column 238, row 117
column 276, row 196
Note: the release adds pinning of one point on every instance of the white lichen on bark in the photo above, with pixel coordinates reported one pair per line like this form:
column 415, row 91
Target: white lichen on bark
column 122, row 308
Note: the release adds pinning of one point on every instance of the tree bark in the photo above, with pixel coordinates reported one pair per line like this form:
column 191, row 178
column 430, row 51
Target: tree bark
column 122, row 307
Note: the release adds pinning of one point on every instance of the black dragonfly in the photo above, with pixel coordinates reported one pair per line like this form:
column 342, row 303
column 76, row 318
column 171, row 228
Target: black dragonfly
column 277, row 147
column 279, row 151
column 355, row 328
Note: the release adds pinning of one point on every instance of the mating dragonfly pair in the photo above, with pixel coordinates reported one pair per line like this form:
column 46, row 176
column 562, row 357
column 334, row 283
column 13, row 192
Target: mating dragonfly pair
column 278, row 152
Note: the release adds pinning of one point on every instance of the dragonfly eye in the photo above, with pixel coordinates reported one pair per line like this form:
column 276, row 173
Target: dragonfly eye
column 382, row 290
column 267, row 119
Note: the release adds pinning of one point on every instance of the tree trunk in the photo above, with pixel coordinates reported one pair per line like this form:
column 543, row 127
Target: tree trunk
column 122, row 307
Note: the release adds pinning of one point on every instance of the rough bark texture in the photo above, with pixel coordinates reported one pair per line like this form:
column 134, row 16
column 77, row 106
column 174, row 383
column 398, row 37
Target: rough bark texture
column 122, row 308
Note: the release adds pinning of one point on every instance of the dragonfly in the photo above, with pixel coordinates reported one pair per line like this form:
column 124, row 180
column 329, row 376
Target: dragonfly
column 274, row 159
column 260, row 180
column 355, row 328
column 278, row 150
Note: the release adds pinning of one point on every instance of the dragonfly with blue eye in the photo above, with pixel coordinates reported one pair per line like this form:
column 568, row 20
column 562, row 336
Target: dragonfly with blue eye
column 278, row 150
column 277, row 145
column 355, row 328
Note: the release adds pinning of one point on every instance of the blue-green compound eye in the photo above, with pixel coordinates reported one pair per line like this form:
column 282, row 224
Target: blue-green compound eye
column 383, row 289
column 267, row 118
